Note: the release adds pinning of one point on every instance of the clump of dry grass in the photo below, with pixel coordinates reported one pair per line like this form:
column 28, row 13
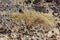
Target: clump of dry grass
column 33, row 18
column 18, row 1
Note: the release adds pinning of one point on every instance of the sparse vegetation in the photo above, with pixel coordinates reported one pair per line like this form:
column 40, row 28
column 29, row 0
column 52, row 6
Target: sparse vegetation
column 20, row 1
column 29, row 19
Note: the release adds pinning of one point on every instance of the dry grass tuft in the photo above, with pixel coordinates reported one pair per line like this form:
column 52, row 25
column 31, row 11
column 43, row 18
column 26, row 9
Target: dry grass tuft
column 18, row 1
column 33, row 18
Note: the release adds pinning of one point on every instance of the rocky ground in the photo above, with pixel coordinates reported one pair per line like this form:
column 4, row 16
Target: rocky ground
column 29, row 20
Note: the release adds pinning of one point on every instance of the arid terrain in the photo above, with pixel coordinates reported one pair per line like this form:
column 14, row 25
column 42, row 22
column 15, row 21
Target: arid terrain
column 29, row 19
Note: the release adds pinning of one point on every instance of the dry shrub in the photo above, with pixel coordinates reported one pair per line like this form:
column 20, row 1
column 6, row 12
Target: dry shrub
column 18, row 1
column 33, row 18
